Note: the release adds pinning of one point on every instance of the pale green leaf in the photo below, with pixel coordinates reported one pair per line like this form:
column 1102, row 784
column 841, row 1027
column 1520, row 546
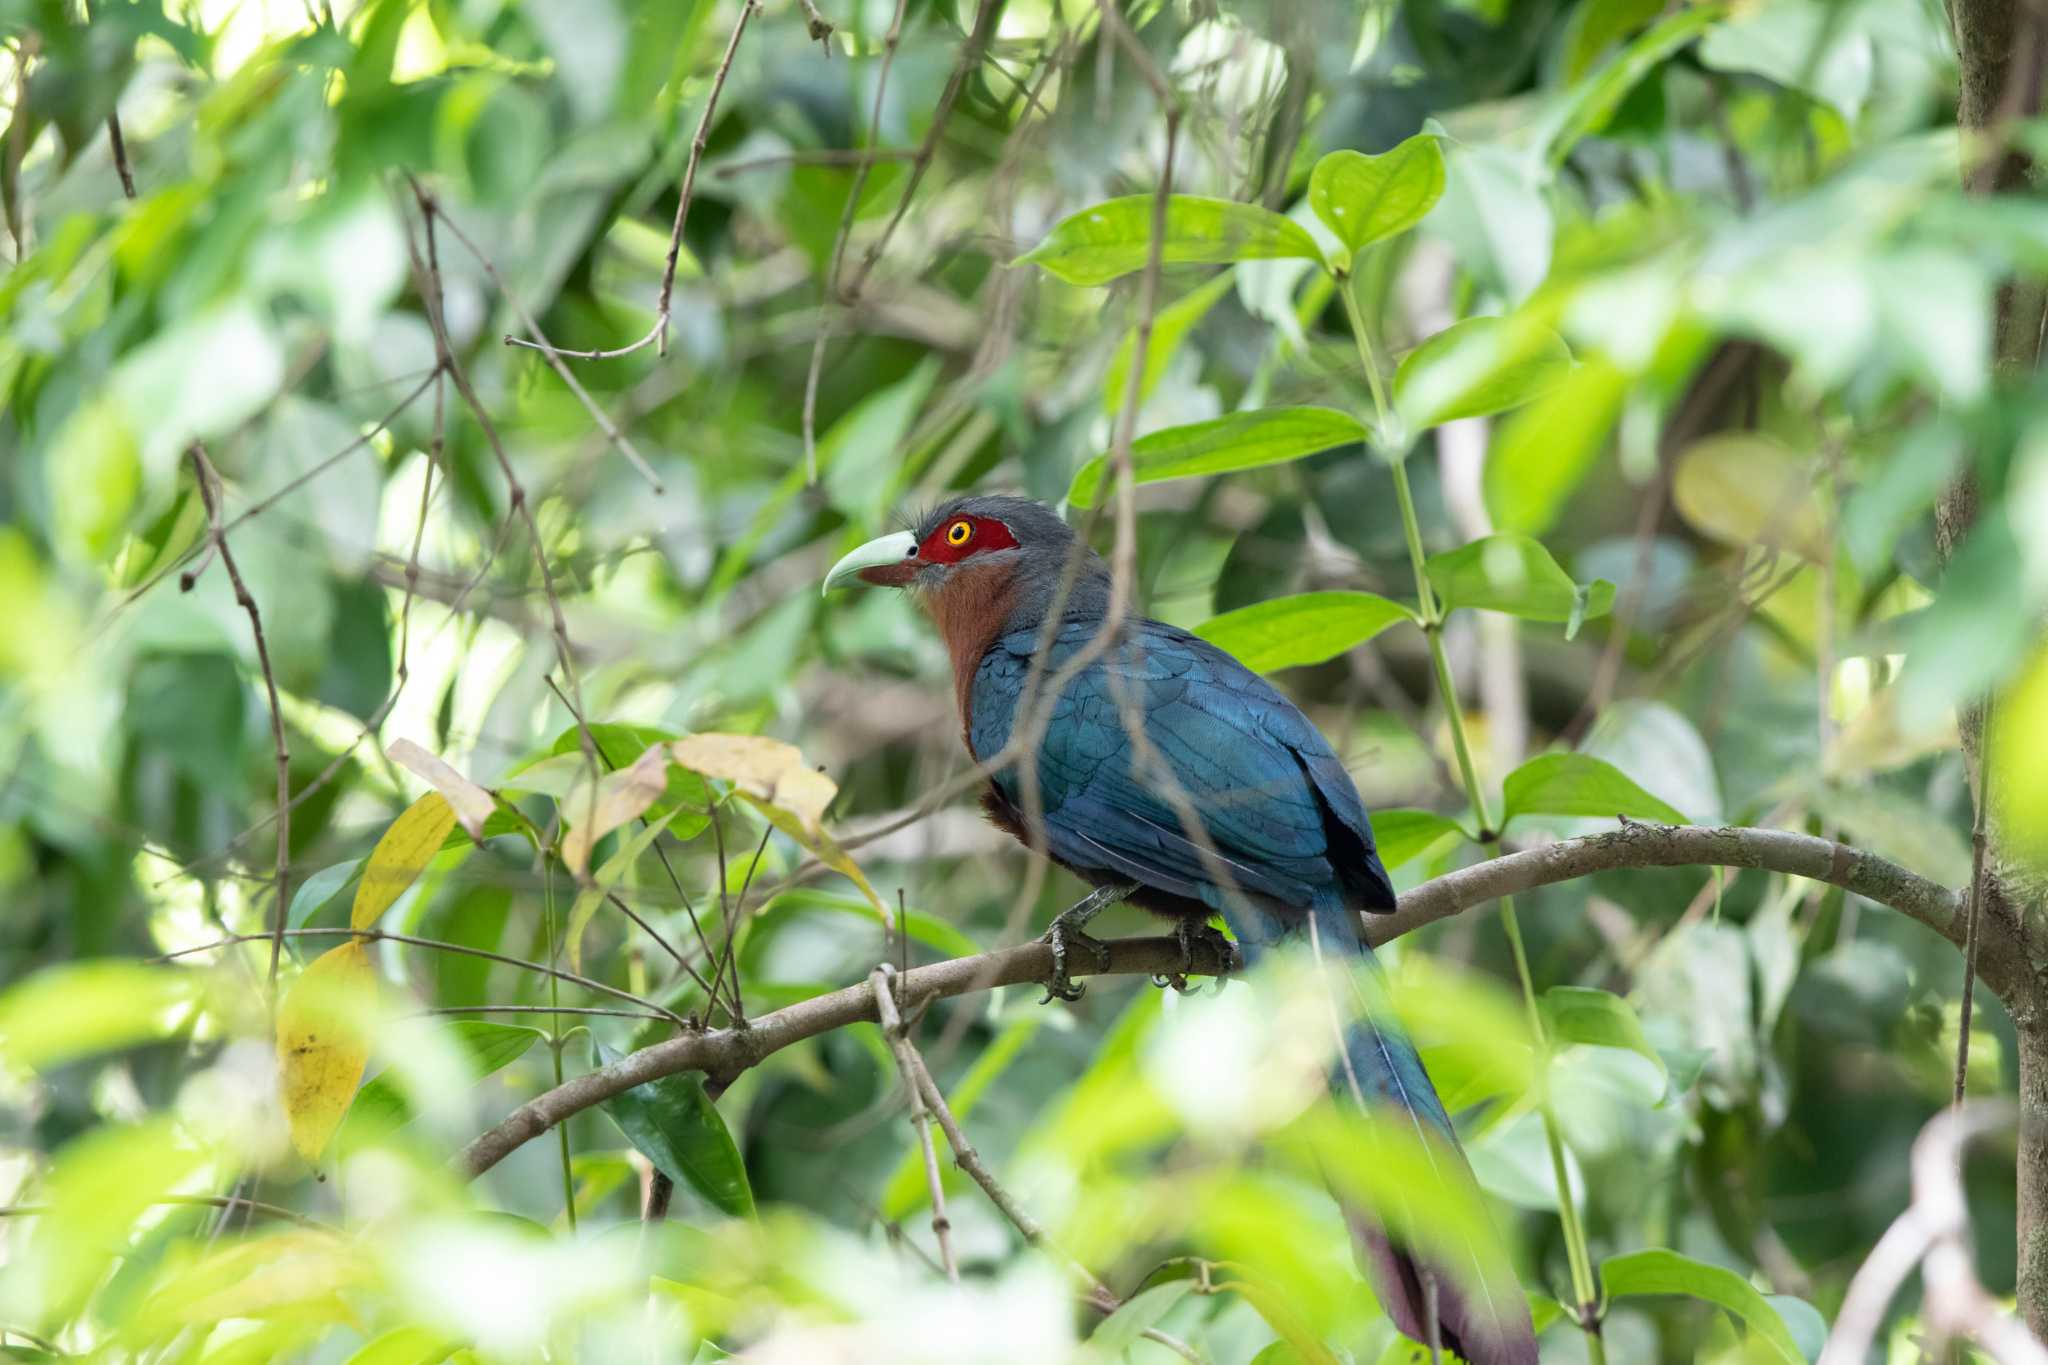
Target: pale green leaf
column 1364, row 199
column 1477, row 367
column 1516, row 575
column 1403, row 835
column 1114, row 238
column 1169, row 329
column 1658, row 1271
column 1596, row 1018
column 1307, row 628
column 1242, row 440
column 1579, row 784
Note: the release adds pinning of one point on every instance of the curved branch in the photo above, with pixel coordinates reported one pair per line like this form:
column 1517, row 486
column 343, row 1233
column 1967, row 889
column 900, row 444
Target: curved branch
column 724, row 1053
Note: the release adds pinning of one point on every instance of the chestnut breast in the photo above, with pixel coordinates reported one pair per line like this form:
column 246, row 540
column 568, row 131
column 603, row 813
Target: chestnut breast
column 969, row 611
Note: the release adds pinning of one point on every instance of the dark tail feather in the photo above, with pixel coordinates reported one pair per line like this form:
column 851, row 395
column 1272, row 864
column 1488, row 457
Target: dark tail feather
column 1381, row 1068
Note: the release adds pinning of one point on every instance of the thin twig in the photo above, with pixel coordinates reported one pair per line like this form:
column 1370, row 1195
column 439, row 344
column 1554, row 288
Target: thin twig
column 659, row 333
column 462, row 948
column 209, row 1201
column 210, row 494
column 820, row 27
column 1973, row 907
column 907, row 1063
column 119, row 145
column 543, row 1009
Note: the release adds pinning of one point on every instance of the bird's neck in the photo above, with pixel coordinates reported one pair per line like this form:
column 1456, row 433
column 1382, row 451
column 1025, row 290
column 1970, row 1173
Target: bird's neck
column 971, row 612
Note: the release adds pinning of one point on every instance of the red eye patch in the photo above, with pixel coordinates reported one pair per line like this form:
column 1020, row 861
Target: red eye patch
column 958, row 537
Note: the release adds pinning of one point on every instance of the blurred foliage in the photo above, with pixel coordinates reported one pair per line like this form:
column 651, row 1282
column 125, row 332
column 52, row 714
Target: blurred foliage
column 1733, row 320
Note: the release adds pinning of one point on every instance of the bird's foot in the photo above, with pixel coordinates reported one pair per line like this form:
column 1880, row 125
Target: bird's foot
column 1067, row 933
column 1189, row 932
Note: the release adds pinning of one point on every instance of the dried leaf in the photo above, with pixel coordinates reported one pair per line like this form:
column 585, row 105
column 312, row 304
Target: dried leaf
column 321, row 1047
column 766, row 769
column 473, row 805
column 595, row 809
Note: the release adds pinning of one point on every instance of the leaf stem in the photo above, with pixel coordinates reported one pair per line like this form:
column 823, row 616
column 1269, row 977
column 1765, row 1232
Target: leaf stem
column 1393, row 447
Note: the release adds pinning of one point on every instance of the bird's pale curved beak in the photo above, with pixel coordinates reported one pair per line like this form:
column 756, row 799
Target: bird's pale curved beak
column 888, row 561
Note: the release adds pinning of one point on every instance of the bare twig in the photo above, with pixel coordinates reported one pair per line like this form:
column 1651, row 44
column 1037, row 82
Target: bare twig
column 119, row 145
column 438, row 946
column 210, row 494
column 620, row 441
column 907, row 1064
column 227, row 1202
column 658, row 335
column 820, row 27
column 1973, row 911
column 1933, row 1234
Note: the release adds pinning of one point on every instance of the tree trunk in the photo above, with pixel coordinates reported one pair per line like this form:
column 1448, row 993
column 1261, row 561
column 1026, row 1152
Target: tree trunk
column 2002, row 52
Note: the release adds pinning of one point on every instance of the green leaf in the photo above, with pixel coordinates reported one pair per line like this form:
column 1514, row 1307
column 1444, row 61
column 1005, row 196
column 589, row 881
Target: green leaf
column 1542, row 453
column 1242, row 440
column 1307, row 628
column 1659, row 1271
column 75, row 1009
column 676, row 1126
column 1404, row 835
column 1364, row 199
column 321, row 890
column 1579, row 784
column 1123, row 1328
column 1579, row 1014
column 1476, row 367
column 1516, row 575
column 1114, row 238
column 1593, row 102
column 1169, row 329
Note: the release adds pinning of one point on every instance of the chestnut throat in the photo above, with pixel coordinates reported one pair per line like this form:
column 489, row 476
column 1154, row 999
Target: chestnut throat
column 970, row 611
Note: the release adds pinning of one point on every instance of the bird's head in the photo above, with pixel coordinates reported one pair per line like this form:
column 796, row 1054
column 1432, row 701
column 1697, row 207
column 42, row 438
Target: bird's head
column 997, row 549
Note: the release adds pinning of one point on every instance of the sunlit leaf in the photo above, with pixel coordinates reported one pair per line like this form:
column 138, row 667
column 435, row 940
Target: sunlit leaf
column 75, row 1009
column 1578, row 784
column 1114, row 238
column 1477, row 367
column 1242, row 440
column 95, row 1190
column 321, row 1045
column 766, row 769
column 472, row 804
column 409, row 1345
column 618, row 745
column 298, row 1271
column 1363, row 199
column 401, row 854
column 1402, row 835
column 1516, row 575
column 1658, row 1271
column 676, row 1126
column 1307, row 628
column 1541, row 455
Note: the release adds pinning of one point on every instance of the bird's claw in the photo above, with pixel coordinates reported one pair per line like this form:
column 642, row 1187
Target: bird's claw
column 1062, row 937
column 1188, row 933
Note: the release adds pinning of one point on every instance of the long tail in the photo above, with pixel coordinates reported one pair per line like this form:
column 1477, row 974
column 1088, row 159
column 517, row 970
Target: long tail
column 1380, row 1069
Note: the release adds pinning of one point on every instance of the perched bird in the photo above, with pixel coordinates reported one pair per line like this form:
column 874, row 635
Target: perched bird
column 1169, row 774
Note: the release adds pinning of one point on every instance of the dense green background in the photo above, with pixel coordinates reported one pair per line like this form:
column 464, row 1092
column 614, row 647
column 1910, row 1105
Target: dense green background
column 1747, row 222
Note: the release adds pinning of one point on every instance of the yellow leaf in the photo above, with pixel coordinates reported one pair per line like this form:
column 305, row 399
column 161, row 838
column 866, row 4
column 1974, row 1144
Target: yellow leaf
column 766, row 769
column 1747, row 489
column 595, row 809
column 321, row 1045
column 399, row 857
column 473, row 805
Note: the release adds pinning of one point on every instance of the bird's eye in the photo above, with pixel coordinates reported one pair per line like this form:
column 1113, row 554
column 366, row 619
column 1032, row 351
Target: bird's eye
column 959, row 533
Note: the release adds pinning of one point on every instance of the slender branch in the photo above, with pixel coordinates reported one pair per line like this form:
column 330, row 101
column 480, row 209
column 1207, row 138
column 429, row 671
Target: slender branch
column 1973, row 912
column 210, row 494
column 908, row 1064
column 658, row 334
column 228, row 1202
column 725, row 1053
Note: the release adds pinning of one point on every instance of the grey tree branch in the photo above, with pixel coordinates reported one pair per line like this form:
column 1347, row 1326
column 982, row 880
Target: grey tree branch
column 724, row 1053
column 1933, row 1234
